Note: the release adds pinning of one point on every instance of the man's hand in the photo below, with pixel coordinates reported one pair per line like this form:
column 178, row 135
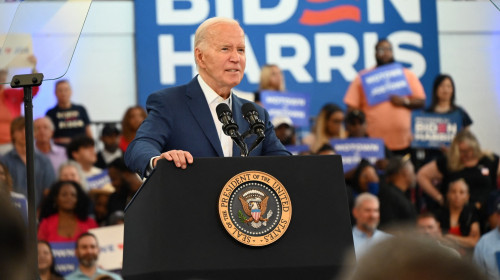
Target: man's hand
column 180, row 158
column 400, row 101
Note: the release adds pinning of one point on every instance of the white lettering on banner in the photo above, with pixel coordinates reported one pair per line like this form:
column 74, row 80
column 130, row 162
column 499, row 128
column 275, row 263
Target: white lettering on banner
column 344, row 63
column 65, row 267
column 357, row 147
column 415, row 59
column 409, row 10
column 285, row 100
column 169, row 58
column 63, row 253
column 254, row 14
column 166, row 14
column 369, row 41
column 252, row 70
column 295, row 64
column 225, row 8
column 285, row 112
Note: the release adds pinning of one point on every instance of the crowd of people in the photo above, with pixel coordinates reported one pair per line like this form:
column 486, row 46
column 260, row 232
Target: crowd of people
column 452, row 196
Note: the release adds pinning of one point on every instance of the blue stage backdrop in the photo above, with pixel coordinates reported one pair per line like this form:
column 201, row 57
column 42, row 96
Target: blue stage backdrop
column 319, row 44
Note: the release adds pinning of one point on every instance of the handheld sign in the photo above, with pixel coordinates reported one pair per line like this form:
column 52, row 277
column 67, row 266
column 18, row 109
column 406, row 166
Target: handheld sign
column 431, row 130
column 382, row 82
column 353, row 150
column 292, row 105
column 64, row 257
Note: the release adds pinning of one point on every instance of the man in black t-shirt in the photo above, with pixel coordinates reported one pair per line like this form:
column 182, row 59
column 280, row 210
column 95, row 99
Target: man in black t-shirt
column 69, row 119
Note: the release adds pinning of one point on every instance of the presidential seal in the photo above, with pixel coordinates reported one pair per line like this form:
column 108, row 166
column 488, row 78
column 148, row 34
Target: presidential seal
column 255, row 208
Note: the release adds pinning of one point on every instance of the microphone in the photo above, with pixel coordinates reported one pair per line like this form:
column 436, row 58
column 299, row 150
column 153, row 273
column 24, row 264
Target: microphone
column 230, row 128
column 250, row 114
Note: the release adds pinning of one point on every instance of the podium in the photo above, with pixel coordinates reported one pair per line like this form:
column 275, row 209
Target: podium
column 173, row 229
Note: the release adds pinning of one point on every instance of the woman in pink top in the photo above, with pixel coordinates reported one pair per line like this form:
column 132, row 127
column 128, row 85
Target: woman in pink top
column 64, row 213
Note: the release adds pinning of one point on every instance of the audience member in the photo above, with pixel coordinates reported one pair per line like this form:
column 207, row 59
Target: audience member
column 133, row 118
column 15, row 160
column 43, row 130
column 429, row 226
column 126, row 184
column 284, row 129
column 459, row 221
column 326, row 149
column 82, row 150
column 64, row 214
column 389, row 120
column 443, row 99
column 110, row 138
column 365, row 233
column 487, row 251
column 412, row 259
column 328, row 125
column 87, row 252
column 69, row 119
column 72, row 171
column 10, row 106
column 395, row 207
column 466, row 160
column 271, row 79
column 364, row 179
column 46, row 263
column 13, row 241
column 101, row 208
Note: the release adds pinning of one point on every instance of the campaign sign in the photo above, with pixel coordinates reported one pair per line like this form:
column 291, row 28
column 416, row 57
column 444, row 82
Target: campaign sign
column 19, row 201
column 15, row 50
column 111, row 246
column 99, row 181
column 64, row 257
column 382, row 82
column 431, row 130
column 292, row 105
column 320, row 46
column 353, row 150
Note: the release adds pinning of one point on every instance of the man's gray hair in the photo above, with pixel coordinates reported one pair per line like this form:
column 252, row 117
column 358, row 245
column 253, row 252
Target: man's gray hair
column 51, row 124
column 364, row 197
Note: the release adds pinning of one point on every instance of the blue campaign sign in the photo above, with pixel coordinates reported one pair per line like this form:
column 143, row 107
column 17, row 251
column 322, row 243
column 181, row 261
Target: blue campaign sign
column 353, row 150
column 64, row 257
column 98, row 181
column 319, row 45
column 431, row 130
column 293, row 105
column 382, row 82
column 19, row 201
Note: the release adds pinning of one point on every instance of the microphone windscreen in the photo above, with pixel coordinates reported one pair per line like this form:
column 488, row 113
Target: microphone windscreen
column 247, row 107
column 221, row 109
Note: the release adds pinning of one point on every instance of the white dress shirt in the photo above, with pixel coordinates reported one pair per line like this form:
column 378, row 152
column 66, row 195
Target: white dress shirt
column 213, row 99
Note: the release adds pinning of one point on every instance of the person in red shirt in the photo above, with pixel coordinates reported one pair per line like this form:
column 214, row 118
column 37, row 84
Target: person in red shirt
column 64, row 213
column 10, row 106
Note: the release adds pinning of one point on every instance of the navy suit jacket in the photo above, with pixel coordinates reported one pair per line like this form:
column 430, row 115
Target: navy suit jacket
column 179, row 118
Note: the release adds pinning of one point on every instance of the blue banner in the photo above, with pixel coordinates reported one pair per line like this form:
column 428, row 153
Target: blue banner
column 353, row 150
column 292, row 105
column 64, row 257
column 99, row 181
column 319, row 45
column 434, row 130
column 382, row 82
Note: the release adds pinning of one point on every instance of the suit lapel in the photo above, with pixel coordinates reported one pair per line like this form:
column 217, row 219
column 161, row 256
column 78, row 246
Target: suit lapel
column 197, row 104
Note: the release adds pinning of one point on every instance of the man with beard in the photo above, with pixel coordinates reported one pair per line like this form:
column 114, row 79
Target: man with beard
column 365, row 233
column 391, row 119
column 87, row 252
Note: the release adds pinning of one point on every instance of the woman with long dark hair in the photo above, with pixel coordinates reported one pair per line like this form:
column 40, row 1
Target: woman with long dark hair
column 133, row 118
column 46, row 263
column 64, row 213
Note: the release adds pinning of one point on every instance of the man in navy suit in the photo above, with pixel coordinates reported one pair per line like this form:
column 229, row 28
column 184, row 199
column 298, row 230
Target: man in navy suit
column 182, row 122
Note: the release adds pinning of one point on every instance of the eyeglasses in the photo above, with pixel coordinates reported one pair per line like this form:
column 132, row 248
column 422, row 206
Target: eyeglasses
column 383, row 50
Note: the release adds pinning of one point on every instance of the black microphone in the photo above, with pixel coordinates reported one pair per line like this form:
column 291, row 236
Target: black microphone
column 230, row 128
column 250, row 114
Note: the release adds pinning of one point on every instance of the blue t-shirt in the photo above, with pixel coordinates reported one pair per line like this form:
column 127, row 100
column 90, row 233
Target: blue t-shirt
column 69, row 122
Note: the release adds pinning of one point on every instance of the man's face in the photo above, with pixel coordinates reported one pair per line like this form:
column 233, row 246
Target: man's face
column 429, row 226
column 356, row 128
column 367, row 215
column 19, row 137
column 111, row 142
column 221, row 57
column 63, row 93
column 42, row 130
column 383, row 53
column 85, row 155
column 87, row 251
